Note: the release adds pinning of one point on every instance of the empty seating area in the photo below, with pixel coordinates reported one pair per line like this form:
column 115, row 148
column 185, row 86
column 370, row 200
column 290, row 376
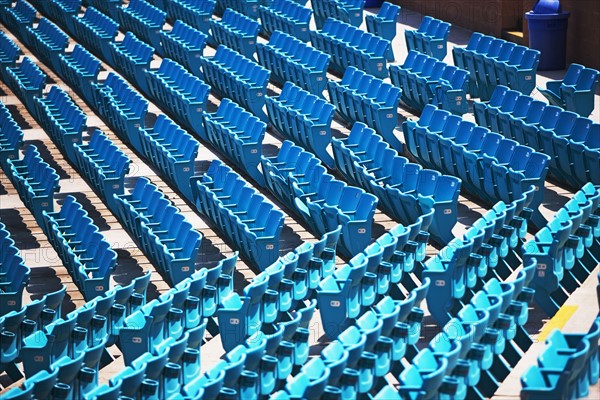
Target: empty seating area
column 231, row 199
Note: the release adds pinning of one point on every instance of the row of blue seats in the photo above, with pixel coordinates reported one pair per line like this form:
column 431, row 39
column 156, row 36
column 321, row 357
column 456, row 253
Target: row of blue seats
column 47, row 41
column 9, row 54
column 85, row 253
column 182, row 94
column 490, row 166
column 196, row 14
column 123, row 109
column 132, row 58
column 107, row 7
column 431, row 38
column 11, row 138
column 289, row 59
column 96, row 31
column 35, row 181
column 303, row 118
column 566, row 368
column 246, row 7
column 14, row 274
column 572, row 142
column 80, row 70
column 144, row 20
column 301, row 182
column 405, row 190
column 492, row 61
column 22, row 322
column 348, row 11
column 26, row 81
column 234, row 76
column 238, row 135
column 286, row 16
column 163, row 233
column 425, row 80
column 567, row 249
column 19, row 17
column 384, row 22
column 61, row 11
column 360, row 97
column 185, row 45
column 62, row 119
column 350, row 46
column 248, row 220
column 104, row 166
column 236, row 31
column 575, row 92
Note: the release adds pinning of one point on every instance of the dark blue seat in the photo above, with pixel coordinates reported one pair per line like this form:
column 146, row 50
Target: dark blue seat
column 286, row 16
column 162, row 232
column 80, row 69
column 35, row 181
column 26, row 80
column 364, row 98
column 384, row 22
column 182, row 94
column 348, row 11
column 238, row 135
column 14, row 274
column 108, row 7
column 82, row 249
column 304, row 118
column 185, row 45
column 236, row 31
column 196, row 14
column 9, row 53
column 11, row 138
column 132, row 58
column 289, row 59
column 350, row 46
column 48, row 41
column 172, row 150
column 232, row 75
column 144, row 20
column 103, row 164
column 430, row 38
column 19, row 18
column 246, row 7
column 63, row 12
column 62, row 118
column 575, row 92
column 96, row 31
column 249, row 222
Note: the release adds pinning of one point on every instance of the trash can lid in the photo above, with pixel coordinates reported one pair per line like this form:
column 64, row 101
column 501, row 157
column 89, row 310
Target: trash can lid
column 547, row 7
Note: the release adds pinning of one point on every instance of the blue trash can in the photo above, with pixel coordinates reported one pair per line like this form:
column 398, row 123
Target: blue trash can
column 548, row 33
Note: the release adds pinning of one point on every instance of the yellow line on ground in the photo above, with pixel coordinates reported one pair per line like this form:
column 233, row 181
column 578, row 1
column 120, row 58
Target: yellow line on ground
column 558, row 321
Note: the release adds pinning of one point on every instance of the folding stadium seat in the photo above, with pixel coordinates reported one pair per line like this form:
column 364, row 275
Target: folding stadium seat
column 373, row 102
column 9, row 53
column 63, row 12
column 103, row 164
column 11, row 138
column 80, row 69
column 179, row 92
column 14, row 274
column 430, row 38
column 350, row 46
column 18, row 18
column 132, row 58
column 196, row 14
column 575, row 92
column 424, row 375
column 238, row 135
column 235, row 31
column 26, row 81
column 286, row 16
column 246, row 7
column 384, row 23
column 47, row 41
column 96, row 31
column 108, row 7
column 144, row 20
column 185, row 45
column 303, row 118
column 232, row 75
column 348, row 11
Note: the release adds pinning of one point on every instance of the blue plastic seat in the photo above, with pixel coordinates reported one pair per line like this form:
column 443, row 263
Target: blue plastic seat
column 26, row 80
column 424, row 377
column 144, row 20
column 430, row 38
column 292, row 60
column 286, row 16
column 348, row 11
column 246, row 7
column 11, row 137
column 80, row 69
column 196, row 14
column 236, row 31
column 9, row 53
column 384, row 22
column 575, row 92
column 132, row 58
column 47, row 41
column 185, row 45
column 96, row 30
column 19, row 17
